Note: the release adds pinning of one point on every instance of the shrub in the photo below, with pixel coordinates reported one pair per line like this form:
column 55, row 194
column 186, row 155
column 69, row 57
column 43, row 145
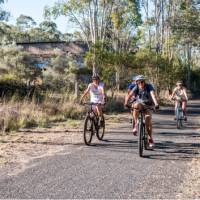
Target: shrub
column 115, row 105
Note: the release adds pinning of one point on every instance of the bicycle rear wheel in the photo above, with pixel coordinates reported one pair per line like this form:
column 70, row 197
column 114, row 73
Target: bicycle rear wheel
column 88, row 130
column 145, row 138
column 140, row 139
column 101, row 130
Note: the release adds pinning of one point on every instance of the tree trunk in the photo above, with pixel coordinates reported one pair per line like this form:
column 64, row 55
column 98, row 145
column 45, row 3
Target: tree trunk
column 117, row 79
column 76, row 88
column 188, row 66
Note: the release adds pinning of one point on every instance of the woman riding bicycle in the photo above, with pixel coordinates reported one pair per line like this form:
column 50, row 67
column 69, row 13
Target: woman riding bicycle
column 97, row 95
column 180, row 95
column 145, row 98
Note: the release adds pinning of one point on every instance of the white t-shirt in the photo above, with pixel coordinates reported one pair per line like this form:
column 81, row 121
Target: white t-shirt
column 96, row 93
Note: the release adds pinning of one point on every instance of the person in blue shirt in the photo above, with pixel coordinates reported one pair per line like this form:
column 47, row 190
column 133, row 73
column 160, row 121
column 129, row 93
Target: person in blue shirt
column 145, row 98
column 132, row 85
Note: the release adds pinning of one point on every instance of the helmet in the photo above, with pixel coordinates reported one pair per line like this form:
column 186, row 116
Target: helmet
column 179, row 83
column 95, row 77
column 140, row 78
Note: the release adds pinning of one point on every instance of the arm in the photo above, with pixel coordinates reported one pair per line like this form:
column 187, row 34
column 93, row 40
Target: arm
column 85, row 93
column 103, row 91
column 185, row 93
column 128, row 96
column 153, row 96
column 173, row 94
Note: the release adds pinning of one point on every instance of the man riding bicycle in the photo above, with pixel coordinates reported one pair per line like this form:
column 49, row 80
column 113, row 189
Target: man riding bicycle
column 132, row 84
column 97, row 96
column 130, row 87
column 145, row 98
column 180, row 94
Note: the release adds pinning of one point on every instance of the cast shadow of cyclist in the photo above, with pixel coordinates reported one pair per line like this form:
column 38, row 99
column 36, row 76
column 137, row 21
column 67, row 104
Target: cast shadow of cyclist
column 168, row 150
column 116, row 145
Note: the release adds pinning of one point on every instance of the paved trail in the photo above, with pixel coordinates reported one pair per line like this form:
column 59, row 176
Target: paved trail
column 113, row 169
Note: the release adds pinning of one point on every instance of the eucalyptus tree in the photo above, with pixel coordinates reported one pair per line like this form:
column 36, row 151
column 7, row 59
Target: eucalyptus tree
column 186, row 27
column 92, row 18
column 24, row 22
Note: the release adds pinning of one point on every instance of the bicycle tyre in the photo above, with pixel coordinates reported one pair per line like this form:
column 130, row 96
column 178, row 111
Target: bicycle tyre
column 145, row 139
column 88, row 131
column 140, row 139
column 177, row 118
column 101, row 130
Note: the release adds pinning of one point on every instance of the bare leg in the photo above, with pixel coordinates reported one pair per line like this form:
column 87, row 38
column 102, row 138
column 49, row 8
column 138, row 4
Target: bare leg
column 137, row 107
column 184, row 104
column 148, row 119
column 99, row 111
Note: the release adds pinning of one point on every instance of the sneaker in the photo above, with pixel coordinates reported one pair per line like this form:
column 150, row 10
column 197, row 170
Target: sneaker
column 151, row 143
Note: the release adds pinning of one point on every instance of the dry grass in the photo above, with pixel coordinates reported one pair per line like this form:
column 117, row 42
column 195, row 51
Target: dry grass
column 15, row 115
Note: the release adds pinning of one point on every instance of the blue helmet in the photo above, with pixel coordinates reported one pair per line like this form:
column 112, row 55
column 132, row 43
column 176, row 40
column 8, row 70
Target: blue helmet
column 140, row 78
column 133, row 78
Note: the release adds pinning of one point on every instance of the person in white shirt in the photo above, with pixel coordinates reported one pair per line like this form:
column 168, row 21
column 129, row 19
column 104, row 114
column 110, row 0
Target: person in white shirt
column 97, row 95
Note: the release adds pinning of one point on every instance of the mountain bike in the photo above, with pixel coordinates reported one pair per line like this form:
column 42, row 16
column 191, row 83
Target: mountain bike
column 143, row 135
column 179, row 115
column 92, row 125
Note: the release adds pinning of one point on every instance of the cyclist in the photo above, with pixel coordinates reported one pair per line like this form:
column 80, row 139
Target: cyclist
column 97, row 96
column 180, row 94
column 145, row 98
column 132, row 85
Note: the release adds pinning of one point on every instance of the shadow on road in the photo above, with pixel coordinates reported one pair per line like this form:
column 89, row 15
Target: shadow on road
column 168, row 150
column 119, row 145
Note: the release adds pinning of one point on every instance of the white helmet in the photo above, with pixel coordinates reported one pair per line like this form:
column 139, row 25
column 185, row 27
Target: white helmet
column 140, row 78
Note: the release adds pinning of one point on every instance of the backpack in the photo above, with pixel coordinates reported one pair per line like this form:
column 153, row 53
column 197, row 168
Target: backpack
column 144, row 95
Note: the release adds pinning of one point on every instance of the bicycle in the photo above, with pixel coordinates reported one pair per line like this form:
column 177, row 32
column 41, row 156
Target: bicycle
column 179, row 114
column 143, row 135
column 92, row 126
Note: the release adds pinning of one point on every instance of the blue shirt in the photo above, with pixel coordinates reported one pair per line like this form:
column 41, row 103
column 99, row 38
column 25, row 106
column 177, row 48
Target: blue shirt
column 144, row 94
column 131, row 86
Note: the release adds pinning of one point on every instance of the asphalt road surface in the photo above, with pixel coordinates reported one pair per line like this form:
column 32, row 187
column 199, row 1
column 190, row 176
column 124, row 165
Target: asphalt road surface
column 112, row 168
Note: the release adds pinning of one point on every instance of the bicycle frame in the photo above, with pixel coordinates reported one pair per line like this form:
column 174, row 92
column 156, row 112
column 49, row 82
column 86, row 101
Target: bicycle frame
column 91, row 113
column 143, row 136
column 95, row 127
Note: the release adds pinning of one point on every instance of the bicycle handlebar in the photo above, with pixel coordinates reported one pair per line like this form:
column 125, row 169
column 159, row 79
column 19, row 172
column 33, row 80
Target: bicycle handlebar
column 91, row 104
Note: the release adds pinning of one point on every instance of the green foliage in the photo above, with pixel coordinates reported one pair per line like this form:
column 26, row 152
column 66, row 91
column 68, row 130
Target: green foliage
column 186, row 24
column 158, row 68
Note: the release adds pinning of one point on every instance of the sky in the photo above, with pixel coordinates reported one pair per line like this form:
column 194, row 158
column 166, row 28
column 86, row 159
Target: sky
column 34, row 9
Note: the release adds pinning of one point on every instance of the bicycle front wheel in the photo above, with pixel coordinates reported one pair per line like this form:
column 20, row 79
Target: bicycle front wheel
column 88, row 130
column 140, row 139
column 178, row 119
column 145, row 136
column 101, row 129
